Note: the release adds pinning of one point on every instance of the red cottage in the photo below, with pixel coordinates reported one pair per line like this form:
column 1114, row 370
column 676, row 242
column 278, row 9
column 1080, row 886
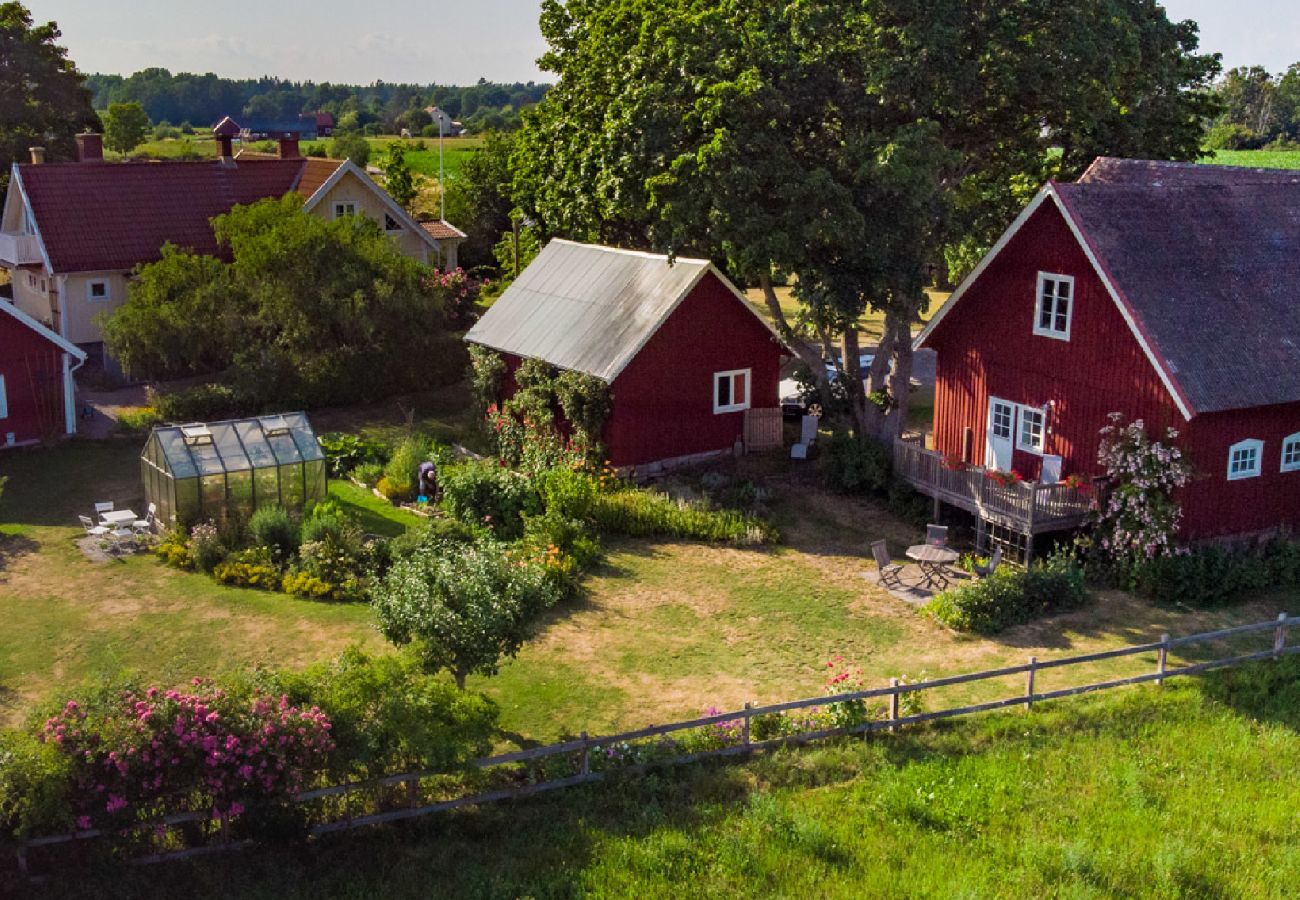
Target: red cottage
column 1168, row 292
column 37, row 394
column 692, row 367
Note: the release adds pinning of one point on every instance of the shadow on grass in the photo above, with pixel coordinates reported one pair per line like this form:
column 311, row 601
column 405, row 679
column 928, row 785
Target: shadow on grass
column 1267, row 691
column 13, row 546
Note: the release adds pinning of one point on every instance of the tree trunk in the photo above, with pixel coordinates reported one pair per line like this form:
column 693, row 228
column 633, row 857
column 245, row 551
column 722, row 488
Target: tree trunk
column 805, row 351
column 460, row 675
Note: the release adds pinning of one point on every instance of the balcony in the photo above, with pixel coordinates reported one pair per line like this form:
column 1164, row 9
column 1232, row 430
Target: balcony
column 1026, row 507
column 19, row 250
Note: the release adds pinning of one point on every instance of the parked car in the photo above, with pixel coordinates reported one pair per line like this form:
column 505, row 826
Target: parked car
column 792, row 395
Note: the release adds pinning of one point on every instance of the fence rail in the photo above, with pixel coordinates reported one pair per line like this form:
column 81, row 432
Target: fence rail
column 583, row 746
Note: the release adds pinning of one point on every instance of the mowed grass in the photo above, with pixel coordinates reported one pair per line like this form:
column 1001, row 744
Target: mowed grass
column 871, row 326
column 662, row 630
column 1185, row 791
column 1261, row 159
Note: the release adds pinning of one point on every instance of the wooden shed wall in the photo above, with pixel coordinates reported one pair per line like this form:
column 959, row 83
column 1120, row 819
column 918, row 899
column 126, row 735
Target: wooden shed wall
column 32, row 367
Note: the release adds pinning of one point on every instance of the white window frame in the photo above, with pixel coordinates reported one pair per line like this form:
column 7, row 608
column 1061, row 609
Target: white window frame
column 344, row 208
column 90, row 291
column 1291, row 443
column 994, row 405
column 1235, row 474
column 1052, row 331
column 4, row 399
column 1021, row 413
column 733, row 406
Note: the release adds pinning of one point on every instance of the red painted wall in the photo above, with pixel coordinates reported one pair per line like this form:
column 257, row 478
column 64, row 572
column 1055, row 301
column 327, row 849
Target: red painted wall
column 32, row 367
column 986, row 347
column 663, row 400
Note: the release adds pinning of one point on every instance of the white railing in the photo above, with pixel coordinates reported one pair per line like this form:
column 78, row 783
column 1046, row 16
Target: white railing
column 19, row 249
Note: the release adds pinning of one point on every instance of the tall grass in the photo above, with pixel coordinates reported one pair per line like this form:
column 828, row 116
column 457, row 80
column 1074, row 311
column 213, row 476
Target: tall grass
column 641, row 513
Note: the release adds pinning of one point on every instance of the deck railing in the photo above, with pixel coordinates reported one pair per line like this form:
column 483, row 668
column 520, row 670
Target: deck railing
column 1028, row 507
column 19, row 249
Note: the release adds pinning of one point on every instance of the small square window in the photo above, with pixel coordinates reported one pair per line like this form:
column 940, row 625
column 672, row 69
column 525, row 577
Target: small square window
column 1032, row 428
column 1054, row 306
column 731, row 391
column 97, row 290
column 1291, row 453
column 1244, row 459
column 345, row 208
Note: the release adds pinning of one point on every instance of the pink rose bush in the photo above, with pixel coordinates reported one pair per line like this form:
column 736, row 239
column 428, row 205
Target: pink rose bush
column 138, row 756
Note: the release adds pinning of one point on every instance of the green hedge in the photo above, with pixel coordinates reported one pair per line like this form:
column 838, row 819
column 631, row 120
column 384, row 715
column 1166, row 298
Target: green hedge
column 1217, row 576
column 1011, row 596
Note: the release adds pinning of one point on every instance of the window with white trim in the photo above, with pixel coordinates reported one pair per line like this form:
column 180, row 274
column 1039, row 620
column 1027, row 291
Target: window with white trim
column 4, row 400
column 731, row 391
column 1291, row 453
column 97, row 290
column 1245, row 459
column 344, row 208
column 1033, row 428
column 1055, row 305
column 1004, row 415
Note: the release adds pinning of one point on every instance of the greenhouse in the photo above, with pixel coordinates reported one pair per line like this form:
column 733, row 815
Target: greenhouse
column 208, row 471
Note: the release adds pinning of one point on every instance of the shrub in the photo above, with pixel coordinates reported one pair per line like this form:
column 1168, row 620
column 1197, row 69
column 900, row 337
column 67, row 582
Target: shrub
column 337, row 560
column 387, row 715
column 174, row 550
column 201, row 403
column 272, row 526
column 206, row 547
column 138, row 421
column 486, row 493
column 368, row 474
column 250, row 568
column 1011, row 596
column 344, row 452
column 133, row 755
column 857, row 465
column 401, row 472
column 303, row 584
column 568, row 492
column 1215, row 576
column 463, row 606
column 641, row 513
column 35, row 786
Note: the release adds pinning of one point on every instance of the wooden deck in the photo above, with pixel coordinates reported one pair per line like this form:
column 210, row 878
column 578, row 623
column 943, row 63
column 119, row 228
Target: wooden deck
column 1028, row 508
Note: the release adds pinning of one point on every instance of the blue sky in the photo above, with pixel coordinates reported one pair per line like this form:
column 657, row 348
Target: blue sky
column 450, row 41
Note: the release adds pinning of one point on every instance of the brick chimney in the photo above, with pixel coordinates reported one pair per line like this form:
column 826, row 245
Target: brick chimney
column 90, row 148
column 289, row 146
column 38, row 155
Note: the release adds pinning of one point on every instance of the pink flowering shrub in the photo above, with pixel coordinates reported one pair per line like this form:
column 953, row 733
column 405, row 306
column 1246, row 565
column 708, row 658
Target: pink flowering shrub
column 460, row 292
column 138, row 755
column 1138, row 519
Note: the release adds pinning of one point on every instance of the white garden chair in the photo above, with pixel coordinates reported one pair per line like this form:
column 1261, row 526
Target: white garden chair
column 149, row 523
column 105, row 506
column 93, row 530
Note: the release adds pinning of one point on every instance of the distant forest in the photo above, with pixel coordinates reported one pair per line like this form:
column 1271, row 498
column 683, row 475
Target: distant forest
column 379, row 108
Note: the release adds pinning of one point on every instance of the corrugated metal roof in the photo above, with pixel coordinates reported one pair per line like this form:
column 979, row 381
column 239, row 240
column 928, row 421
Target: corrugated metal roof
column 588, row 308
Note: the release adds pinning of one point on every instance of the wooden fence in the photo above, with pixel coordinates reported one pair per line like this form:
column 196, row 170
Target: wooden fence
column 764, row 429
column 415, row 806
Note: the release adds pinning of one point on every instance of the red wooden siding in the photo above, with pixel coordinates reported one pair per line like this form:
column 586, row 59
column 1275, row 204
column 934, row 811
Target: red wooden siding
column 32, row 367
column 663, row 400
column 986, row 347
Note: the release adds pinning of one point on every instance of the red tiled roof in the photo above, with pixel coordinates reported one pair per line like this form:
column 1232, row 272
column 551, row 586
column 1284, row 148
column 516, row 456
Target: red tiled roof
column 442, row 231
column 116, row 216
column 316, row 172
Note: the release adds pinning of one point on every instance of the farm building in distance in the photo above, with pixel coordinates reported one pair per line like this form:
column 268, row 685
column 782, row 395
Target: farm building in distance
column 692, row 368
column 37, row 393
column 71, row 233
column 1167, row 292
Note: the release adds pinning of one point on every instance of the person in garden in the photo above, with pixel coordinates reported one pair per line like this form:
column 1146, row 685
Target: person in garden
column 428, row 479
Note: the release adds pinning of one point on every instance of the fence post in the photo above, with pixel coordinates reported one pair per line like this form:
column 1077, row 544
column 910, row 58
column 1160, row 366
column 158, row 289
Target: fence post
column 1029, row 683
column 744, row 727
column 1279, row 635
column 413, row 792
column 893, row 704
column 1164, row 660
column 585, row 768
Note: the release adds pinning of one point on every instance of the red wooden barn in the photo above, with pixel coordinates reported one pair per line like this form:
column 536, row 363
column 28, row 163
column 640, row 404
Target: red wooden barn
column 37, row 393
column 1168, row 292
column 689, row 362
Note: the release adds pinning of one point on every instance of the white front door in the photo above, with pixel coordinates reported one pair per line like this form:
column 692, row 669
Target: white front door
column 1002, row 425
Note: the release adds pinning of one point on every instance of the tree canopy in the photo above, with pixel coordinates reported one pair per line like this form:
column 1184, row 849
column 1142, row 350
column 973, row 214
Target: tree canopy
column 125, row 126
column 1258, row 108
column 850, row 145
column 42, row 99
column 399, row 182
column 307, row 311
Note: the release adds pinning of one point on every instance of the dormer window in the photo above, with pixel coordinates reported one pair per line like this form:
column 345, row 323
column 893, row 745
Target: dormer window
column 1055, row 306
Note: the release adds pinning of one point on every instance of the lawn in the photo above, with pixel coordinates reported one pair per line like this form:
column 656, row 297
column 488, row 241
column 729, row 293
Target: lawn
column 871, row 326
column 1261, row 159
column 663, row 629
column 1185, row 791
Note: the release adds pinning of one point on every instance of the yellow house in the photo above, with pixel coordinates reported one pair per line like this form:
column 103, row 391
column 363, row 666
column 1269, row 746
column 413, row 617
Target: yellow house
column 71, row 233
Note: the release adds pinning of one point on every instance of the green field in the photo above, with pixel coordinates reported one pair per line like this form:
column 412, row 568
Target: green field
column 1261, row 159
column 1185, row 791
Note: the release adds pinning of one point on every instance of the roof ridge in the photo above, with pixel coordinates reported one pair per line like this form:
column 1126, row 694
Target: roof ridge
column 643, row 254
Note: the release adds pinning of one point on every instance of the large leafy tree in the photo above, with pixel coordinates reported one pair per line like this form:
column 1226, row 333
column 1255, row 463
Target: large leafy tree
column 42, row 100
column 306, row 311
column 125, row 126
column 479, row 201
column 847, row 144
